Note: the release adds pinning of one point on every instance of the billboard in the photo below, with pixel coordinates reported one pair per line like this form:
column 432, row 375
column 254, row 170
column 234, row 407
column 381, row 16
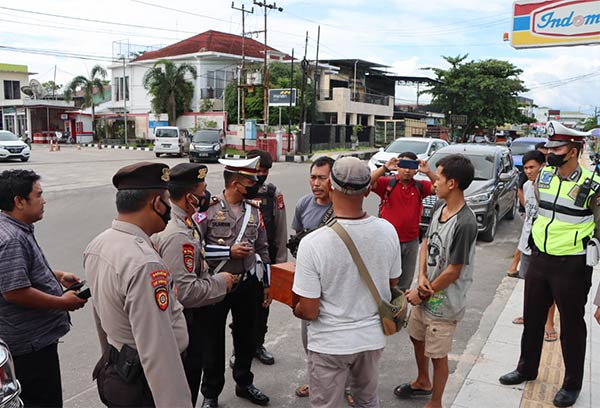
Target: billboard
column 552, row 23
column 281, row 97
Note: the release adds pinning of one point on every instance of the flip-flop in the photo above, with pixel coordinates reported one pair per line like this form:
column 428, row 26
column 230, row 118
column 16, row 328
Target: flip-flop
column 514, row 274
column 407, row 391
column 302, row 391
column 518, row 320
column 550, row 336
column 349, row 397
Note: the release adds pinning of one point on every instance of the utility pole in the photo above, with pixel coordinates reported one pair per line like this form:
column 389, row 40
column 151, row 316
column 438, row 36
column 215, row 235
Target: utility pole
column 290, row 106
column 243, row 70
column 304, row 65
column 266, row 6
column 125, row 99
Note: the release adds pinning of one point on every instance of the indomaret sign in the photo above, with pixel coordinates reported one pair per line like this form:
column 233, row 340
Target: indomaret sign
column 555, row 22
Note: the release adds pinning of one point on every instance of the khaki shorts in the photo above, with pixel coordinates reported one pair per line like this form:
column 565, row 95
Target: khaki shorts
column 437, row 334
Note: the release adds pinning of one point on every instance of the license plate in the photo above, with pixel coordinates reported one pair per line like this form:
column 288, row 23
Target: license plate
column 202, row 154
column 166, row 145
column 426, row 212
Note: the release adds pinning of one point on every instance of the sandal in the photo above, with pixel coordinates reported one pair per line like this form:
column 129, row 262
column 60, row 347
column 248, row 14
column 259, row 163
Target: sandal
column 514, row 274
column 518, row 320
column 550, row 335
column 302, row 391
column 407, row 391
column 349, row 397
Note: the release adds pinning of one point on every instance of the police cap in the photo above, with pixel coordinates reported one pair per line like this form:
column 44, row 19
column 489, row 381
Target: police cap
column 560, row 135
column 245, row 167
column 188, row 173
column 141, row 176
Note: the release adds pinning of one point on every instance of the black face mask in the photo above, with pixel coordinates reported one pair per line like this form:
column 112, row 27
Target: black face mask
column 556, row 160
column 261, row 180
column 167, row 215
column 202, row 202
column 251, row 192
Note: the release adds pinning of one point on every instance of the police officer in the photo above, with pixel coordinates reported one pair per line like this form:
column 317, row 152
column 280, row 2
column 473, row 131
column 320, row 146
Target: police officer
column 140, row 323
column 182, row 248
column 272, row 206
column 568, row 217
column 232, row 220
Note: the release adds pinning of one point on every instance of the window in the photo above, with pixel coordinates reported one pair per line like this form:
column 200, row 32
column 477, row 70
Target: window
column 121, row 88
column 12, row 89
column 117, row 90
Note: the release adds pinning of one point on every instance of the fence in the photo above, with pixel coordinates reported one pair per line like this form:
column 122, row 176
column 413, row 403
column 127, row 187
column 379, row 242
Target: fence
column 324, row 137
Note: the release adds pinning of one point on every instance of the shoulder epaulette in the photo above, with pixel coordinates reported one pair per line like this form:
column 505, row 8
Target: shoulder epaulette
column 252, row 203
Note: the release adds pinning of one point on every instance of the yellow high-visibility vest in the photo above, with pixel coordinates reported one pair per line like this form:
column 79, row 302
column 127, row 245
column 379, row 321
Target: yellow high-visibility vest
column 562, row 228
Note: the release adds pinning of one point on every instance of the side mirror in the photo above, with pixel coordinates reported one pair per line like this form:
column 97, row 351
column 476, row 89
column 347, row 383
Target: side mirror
column 381, row 149
column 505, row 177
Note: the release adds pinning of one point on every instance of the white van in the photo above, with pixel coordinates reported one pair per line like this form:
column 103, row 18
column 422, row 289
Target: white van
column 171, row 140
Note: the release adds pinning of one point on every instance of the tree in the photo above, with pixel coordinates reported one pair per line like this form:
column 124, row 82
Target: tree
column 589, row 123
column 485, row 91
column 279, row 79
column 170, row 90
column 51, row 87
column 90, row 86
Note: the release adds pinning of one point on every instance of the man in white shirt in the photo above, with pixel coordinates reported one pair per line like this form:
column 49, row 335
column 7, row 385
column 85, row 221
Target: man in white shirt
column 345, row 337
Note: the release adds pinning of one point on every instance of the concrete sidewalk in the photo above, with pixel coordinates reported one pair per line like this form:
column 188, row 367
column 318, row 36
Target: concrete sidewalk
column 500, row 355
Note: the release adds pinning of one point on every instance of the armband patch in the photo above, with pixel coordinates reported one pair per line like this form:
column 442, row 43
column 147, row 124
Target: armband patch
column 280, row 203
column 188, row 257
column 160, row 282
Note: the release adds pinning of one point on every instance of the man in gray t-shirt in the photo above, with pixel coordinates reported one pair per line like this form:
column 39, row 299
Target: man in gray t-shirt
column 445, row 274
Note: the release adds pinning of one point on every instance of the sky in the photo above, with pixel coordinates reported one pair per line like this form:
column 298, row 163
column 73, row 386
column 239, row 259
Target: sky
column 407, row 36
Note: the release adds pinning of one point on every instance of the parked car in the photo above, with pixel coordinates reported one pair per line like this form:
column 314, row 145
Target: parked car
column 478, row 139
column 10, row 389
column 422, row 147
column 521, row 146
column 12, row 147
column 207, row 144
column 493, row 193
column 171, row 140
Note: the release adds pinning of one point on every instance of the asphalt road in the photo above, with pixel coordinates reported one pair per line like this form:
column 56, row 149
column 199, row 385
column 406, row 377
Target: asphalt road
column 80, row 204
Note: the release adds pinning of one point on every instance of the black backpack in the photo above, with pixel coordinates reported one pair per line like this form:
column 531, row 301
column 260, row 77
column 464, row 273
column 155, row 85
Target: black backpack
column 388, row 191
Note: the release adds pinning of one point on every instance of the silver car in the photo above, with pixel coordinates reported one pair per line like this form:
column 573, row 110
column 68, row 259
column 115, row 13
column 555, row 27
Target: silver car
column 10, row 389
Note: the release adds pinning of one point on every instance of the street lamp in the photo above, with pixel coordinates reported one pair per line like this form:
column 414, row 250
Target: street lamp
column 124, row 98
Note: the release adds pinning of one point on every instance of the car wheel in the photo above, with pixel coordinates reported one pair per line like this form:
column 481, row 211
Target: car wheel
column 510, row 215
column 490, row 232
column 157, row 154
column 24, row 159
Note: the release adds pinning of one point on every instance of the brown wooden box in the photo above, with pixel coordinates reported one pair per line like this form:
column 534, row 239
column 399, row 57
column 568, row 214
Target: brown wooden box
column 282, row 280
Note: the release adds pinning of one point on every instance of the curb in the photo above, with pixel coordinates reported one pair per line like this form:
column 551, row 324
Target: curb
column 283, row 158
column 143, row 149
column 364, row 155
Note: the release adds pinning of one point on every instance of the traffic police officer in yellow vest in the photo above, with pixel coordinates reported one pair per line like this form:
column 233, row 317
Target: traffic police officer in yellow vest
column 234, row 221
column 568, row 219
column 182, row 247
column 140, row 323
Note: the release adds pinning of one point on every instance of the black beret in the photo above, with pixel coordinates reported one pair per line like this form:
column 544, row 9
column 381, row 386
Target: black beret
column 188, row 173
column 141, row 176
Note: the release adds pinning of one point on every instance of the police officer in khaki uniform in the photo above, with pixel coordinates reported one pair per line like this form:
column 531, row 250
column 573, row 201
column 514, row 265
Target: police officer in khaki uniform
column 140, row 323
column 272, row 206
column 182, row 247
column 233, row 221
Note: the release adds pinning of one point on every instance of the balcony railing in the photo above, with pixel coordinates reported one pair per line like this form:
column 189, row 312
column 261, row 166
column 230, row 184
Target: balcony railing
column 375, row 99
column 211, row 93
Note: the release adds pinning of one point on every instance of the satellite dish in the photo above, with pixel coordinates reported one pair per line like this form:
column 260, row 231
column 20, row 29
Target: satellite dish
column 37, row 88
column 27, row 90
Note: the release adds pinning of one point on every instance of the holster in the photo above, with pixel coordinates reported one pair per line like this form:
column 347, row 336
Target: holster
column 127, row 363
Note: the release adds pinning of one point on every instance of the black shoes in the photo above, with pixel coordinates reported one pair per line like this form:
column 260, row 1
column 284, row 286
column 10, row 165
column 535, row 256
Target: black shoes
column 210, row 403
column 252, row 394
column 565, row 398
column 264, row 356
column 514, row 378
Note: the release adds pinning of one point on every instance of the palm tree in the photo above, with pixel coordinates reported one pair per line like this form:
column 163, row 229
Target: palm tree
column 90, row 86
column 170, row 91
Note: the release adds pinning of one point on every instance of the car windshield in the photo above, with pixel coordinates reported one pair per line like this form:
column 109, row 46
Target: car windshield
column 484, row 164
column 166, row 133
column 206, row 136
column 6, row 136
column 522, row 148
column 401, row 146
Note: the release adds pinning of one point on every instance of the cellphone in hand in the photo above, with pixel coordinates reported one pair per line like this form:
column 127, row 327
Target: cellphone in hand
column 408, row 164
column 85, row 294
column 76, row 286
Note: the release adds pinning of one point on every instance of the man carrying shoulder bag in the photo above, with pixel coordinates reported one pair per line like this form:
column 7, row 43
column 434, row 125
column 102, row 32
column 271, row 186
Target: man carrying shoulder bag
column 345, row 336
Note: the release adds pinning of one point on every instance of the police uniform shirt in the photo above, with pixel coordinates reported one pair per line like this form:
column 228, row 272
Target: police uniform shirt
column 221, row 227
column 181, row 247
column 134, row 304
column 279, row 239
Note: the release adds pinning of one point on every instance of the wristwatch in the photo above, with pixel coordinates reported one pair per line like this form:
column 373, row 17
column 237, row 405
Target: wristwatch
column 421, row 296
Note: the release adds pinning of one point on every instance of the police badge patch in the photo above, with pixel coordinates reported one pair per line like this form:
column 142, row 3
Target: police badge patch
column 574, row 191
column 188, row 257
column 280, row 203
column 545, row 179
column 160, row 282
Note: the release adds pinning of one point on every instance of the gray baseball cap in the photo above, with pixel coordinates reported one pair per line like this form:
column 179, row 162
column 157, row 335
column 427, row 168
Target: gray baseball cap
column 350, row 175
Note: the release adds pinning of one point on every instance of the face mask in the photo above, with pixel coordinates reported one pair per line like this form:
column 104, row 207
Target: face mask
column 261, row 180
column 251, row 192
column 556, row 160
column 203, row 202
column 167, row 215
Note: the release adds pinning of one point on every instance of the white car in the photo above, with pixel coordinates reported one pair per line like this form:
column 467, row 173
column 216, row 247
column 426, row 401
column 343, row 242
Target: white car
column 11, row 147
column 422, row 147
column 10, row 389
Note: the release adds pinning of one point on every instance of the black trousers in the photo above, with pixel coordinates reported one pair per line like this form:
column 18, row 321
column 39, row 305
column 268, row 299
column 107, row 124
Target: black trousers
column 197, row 320
column 241, row 302
column 565, row 280
column 39, row 375
column 262, row 316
